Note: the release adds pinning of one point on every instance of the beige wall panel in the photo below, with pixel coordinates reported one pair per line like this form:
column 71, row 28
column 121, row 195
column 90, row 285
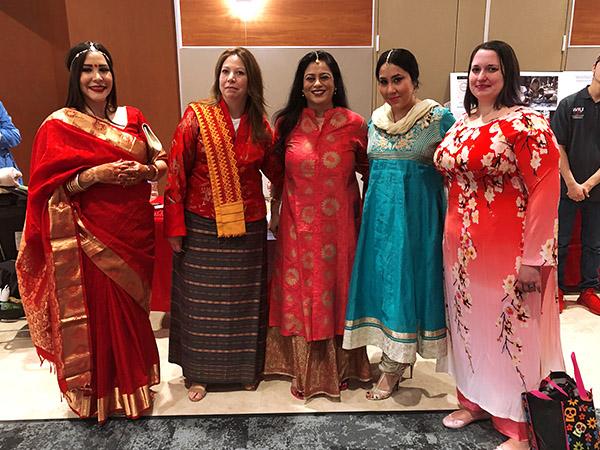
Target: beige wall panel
column 534, row 28
column 427, row 28
column 278, row 66
column 469, row 31
column 582, row 58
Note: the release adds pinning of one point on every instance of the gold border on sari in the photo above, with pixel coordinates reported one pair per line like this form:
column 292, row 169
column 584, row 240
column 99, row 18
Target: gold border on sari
column 72, row 312
column 114, row 267
column 104, row 131
column 222, row 169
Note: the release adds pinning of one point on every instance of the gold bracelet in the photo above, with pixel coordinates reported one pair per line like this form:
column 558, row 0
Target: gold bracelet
column 73, row 185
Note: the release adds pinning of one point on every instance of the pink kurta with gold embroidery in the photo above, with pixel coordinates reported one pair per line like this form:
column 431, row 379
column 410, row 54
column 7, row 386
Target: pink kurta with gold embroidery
column 503, row 192
column 319, row 224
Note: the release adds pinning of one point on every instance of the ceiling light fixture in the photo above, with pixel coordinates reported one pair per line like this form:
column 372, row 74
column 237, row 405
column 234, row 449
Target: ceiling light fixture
column 246, row 10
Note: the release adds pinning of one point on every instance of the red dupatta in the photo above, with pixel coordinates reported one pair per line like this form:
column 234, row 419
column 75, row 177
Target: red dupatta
column 59, row 229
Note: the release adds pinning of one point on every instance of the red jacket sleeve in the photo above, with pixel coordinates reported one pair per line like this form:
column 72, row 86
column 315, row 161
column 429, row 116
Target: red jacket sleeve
column 181, row 162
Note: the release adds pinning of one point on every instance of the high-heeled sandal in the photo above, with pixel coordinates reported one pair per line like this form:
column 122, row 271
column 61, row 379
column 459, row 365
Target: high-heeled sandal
column 377, row 393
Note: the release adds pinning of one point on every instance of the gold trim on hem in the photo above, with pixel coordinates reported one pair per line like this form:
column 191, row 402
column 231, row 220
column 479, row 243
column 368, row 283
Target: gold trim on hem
column 132, row 405
column 354, row 325
column 402, row 352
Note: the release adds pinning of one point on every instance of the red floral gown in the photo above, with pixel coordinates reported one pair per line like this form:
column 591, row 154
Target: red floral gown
column 503, row 192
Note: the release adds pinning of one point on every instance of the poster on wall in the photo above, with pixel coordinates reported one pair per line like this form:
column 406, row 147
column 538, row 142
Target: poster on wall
column 541, row 91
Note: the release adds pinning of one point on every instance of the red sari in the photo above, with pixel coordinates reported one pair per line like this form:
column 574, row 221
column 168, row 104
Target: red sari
column 85, row 266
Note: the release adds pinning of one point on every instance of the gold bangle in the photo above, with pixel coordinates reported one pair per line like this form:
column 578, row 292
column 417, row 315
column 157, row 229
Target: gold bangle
column 73, row 185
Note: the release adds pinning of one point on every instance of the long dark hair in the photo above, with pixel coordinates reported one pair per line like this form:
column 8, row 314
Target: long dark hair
column 255, row 104
column 74, row 62
column 510, row 95
column 286, row 119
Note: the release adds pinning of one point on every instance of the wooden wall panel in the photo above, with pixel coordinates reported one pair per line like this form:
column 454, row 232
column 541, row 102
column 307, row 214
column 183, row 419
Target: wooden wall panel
column 32, row 48
column 302, row 23
column 586, row 23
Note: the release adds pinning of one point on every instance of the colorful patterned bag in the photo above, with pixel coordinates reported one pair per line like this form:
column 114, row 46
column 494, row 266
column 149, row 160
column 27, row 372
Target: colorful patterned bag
column 561, row 414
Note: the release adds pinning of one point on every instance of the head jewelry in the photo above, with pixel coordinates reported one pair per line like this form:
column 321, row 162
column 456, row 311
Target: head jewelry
column 387, row 58
column 92, row 48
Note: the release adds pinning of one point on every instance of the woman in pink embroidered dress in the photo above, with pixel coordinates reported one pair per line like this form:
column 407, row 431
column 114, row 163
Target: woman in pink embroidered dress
column 501, row 167
column 323, row 144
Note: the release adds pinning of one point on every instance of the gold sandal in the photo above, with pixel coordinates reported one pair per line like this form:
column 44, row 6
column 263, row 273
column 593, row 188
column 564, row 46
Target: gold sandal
column 377, row 393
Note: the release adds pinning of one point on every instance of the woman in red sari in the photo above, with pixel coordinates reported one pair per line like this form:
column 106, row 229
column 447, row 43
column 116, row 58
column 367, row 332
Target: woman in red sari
column 86, row 260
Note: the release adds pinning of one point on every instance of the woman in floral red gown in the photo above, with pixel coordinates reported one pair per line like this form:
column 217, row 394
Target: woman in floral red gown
column 501, row 166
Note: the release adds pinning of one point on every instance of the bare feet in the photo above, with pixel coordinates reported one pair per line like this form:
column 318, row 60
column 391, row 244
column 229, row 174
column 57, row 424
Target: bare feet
column 463, row 417
column 196, row 392
column 513, row 444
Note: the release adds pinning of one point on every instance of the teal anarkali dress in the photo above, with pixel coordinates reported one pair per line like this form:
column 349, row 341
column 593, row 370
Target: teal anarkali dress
column 396, row 299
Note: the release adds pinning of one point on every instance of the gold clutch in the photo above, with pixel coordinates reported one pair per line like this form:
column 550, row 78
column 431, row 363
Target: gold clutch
column 156, row 149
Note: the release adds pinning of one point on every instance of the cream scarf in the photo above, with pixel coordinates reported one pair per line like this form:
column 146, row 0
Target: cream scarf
column 383, row 118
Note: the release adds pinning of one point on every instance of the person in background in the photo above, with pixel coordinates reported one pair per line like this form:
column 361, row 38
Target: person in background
column 576, row 125
column 215, row 222
column 86, row 260
column 397, row 294
column 324, row 145
column 500, row 162
column 9, row 137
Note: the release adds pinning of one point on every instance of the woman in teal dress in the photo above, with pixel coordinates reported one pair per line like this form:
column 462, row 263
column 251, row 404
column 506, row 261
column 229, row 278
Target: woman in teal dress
column 396, row 299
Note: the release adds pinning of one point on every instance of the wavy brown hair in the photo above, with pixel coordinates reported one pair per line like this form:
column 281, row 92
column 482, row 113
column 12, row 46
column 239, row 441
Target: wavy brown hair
column 255, row 104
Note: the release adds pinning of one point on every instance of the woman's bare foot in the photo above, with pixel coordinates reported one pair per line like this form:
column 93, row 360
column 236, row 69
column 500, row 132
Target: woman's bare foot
column 463, row 417
column 196, row 392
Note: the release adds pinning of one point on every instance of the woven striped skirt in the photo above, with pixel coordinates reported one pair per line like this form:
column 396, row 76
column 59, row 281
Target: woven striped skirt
column 219, row 304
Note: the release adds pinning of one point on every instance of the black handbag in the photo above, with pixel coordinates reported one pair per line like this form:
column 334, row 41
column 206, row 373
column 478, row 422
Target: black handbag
column 560, row 414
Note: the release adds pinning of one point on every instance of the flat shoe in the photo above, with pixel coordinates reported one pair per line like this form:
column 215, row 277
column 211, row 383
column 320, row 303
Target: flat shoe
column 196, row 392
column 454, row 422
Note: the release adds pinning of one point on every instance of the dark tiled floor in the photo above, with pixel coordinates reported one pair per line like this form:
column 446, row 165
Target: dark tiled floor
column 302, row 431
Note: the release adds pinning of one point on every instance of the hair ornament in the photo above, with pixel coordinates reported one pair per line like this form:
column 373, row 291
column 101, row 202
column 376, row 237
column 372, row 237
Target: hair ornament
column 92, row 48
column 387, row 58
column 317, row 57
